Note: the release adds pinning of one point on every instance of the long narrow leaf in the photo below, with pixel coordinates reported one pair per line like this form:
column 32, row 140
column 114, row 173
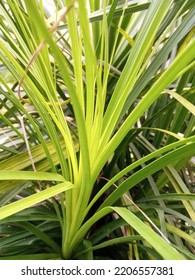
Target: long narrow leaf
column 20, row 205
column 30, row 175
column 162, row 247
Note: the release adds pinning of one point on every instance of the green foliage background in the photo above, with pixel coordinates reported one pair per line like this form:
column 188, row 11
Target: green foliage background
column 97, row 130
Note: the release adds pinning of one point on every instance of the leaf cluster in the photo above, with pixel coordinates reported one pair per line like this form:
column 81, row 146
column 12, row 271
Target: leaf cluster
column 97, row 130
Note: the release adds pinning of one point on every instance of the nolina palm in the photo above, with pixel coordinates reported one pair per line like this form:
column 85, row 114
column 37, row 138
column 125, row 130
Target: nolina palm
column 93, row 100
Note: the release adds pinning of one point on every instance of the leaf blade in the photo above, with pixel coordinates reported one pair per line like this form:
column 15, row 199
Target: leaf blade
column 20, row 205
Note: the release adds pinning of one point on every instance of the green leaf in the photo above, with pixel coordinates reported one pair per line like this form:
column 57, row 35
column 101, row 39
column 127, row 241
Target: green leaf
column 42, row 235
column 32, row 200
column 162, row 247
column 170, row 196
column 189, row 106
column 159, row 244
column 30, row 175
column 46, row 256
column 151, row 168
column 113, row 241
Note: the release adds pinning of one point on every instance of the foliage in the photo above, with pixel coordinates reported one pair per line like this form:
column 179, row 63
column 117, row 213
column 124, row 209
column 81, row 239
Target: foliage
column 97, row 130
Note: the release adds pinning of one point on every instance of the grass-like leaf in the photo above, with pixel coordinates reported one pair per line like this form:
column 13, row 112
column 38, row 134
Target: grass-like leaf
column 84, row 106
